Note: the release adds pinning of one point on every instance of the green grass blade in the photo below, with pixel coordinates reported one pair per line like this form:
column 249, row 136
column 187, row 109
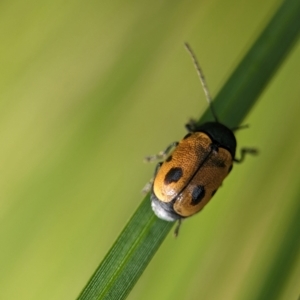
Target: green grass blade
column 255, row 71
column 129, row 256
column 143, row 234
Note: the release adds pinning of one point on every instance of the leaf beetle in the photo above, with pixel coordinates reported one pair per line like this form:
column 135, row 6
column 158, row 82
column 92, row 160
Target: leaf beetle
column 194, row 168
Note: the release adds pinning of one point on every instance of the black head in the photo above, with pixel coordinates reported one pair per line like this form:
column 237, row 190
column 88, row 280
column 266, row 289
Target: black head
column 220, row 134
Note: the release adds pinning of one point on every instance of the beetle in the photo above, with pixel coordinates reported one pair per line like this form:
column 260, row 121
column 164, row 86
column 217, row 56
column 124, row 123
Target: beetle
column 194, row 168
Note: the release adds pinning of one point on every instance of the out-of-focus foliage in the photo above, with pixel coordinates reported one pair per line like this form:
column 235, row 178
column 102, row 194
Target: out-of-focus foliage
column 86, row 90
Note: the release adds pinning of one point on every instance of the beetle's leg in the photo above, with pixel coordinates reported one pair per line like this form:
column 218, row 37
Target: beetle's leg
column 191, row 126
column 176, row 231
column 147, row 188
column 245, row 151
column 240, row 127
column 162, row 154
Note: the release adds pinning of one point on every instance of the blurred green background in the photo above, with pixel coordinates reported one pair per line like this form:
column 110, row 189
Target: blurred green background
column 87, row 89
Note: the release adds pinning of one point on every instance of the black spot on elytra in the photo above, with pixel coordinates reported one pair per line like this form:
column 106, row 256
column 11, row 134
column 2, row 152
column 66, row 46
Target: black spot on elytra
column 219, row 163
column 169, row 158
column 213, row 192
column 173, row 175
column 214, row 148
column 215, row 161
column 187, row 135
column 198, row 194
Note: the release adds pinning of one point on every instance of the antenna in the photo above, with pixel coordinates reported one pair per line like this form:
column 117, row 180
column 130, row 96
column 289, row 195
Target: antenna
column 202, row 80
